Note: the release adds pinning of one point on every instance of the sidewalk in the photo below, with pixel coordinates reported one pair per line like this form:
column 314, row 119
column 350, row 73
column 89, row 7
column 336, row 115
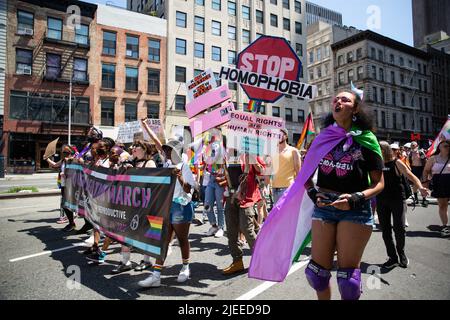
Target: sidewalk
column 34, row 176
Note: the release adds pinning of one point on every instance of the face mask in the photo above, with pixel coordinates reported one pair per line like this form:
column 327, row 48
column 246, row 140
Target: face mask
column 101, row 152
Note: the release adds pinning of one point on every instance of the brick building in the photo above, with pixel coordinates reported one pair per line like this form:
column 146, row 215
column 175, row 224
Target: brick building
column 44, row 52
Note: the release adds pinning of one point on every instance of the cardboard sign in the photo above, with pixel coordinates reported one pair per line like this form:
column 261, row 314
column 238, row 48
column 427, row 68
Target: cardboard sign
column 157, row 127
column 208, row 100
column 127, row 131
column 201, row 84
column 215, row 118
column 51, row 149
column 254, row 134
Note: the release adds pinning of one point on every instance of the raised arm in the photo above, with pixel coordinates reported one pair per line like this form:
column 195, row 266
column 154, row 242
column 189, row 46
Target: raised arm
column 153, row 136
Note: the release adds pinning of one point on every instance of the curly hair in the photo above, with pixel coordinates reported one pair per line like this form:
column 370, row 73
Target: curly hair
column 363, row 120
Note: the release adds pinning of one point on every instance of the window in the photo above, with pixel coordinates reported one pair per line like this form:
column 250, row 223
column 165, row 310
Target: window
column 341, row 78
column 216, row 53
column 419, row 67
column 232, row 85
column 180, row 74
column 327, row 51
column 402, row 78
column 54, row 28
column 383, row 119
column 107, row 107
column 108, row 76
column 181, row 19
column 360, row 73
column 420, row 103
column 25, row 23
column 275, row 111
column 420, row 84
column 392, row 59
column 358, row 53
column 298, row 28
column 393, row 77
column 153, row 109
column 274, row 20
column 199, row 50
column 382, row 96
column 231, row 33
column 298, row 6
column 402, row 61
column 82, row 34
column 216, row 4
column 130, row 111
column 350, row 75
column 181, row 46
column 216, row 28
column 394, row 98
column 154, row 50
column 132, row 47
column 218, row 79
column 53, row 70
column 311, row 56
column 286, row 4
column 288, row 112
column 231, row 8
column 380, row 55
column 340, row 60
column 259, row 16
column 319, row 72
column 374, row 72
column 199, row 24
column 286, row 24
column 319, row 54
column 231, row 57
column 24, row 61
column 275, row 2
column 197, row 72
column 180, row 102
column 301, row 116
column 245, row 12
column 109, row 43
column 425, row 86
column 153, row 80
column 327, row 69
column 311, row 74
column 375, row 94
column 80, row 69
column 403, row 98
column 381, row 74
column 245, row 36
column 299, row 49
column 262, row 109
column 373, row 53
column 349, row 57
column 131, row 81
column 200, row 2
column 426, row 104
column 404, row 121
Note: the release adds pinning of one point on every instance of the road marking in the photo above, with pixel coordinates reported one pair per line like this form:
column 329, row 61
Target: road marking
column 79, row 244
column 266, row 285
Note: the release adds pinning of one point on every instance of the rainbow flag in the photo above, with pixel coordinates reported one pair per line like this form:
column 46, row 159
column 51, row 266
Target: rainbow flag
column 308, row 129
column 254, row 106
column 444, row 134
column 156, row 224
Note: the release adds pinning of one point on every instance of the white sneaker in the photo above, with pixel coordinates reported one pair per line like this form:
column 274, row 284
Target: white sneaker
column 151, row 282
column 212, row 231
column 169, row 250
column 406, row 223
column 184, row 274
column 90, row 240
column 219, row 233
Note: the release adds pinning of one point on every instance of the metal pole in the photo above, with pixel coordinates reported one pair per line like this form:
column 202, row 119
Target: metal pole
column 70, row 110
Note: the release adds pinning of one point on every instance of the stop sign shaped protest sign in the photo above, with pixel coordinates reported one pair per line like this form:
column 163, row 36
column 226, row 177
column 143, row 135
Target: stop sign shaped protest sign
column 271, row 56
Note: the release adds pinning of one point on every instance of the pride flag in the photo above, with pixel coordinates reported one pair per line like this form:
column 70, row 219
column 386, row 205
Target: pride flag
column 254, row 106
column 156, row 224
column 444, row 134
column 308, row 129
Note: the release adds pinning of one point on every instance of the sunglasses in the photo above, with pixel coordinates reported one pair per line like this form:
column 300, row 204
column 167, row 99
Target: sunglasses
column 343, row 99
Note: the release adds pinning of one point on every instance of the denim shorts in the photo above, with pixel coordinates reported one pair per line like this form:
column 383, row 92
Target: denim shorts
column 332, row 215
column 181, row 214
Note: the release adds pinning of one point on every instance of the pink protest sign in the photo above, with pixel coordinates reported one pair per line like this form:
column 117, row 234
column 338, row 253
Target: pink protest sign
column 215, row 118
column 208, row 100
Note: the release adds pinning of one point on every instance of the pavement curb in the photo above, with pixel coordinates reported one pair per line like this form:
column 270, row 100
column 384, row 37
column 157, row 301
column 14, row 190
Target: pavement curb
column 56, row 192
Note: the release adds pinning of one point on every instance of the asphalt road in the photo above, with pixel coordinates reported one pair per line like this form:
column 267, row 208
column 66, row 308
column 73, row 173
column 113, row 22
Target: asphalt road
column 42, row 182
column 27, row 271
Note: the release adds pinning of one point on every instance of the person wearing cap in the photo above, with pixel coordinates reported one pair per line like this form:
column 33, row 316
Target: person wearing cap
column 417, row 159
column 286, row 166
column 181, row 212
column 438, row 168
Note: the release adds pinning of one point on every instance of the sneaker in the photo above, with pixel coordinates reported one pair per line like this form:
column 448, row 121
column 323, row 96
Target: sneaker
column 205, row 218
column 425, row 203
column 235, row 267
column 143, row 266
column 68, row 228
column 89, row 240
column 62, row 220
column 197, row 221
column 169, row 250
column 212, row 231
column 219, row 233
column 404, row 261
column 445, row 232
column 98, row 257
column 121, row 268
column 391, row 263
column 184, row 274
column 406, row 223
column 151, row 282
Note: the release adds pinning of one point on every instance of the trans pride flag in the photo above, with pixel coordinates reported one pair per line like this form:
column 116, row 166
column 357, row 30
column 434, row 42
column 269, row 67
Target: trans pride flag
column 287, row 230
column 445, row 132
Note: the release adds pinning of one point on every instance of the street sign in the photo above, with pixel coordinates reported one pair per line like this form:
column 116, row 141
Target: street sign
column 269, row 56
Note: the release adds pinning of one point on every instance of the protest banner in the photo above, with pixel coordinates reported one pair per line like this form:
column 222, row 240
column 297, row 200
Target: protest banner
column 51, row 149
column 203, row 122
column 201, row 84
column 208, row 100
column 130, row 205
column 254, row 134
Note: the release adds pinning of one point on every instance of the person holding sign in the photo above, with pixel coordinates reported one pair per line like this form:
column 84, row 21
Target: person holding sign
column 287, row 165
column 349, row 175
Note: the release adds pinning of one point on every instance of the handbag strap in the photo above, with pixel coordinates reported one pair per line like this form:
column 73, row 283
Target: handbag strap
column 443, row 168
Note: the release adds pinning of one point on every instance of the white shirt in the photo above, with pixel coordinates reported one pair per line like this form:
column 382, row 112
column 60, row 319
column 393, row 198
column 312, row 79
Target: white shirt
column 206, row 178
column 188, row 177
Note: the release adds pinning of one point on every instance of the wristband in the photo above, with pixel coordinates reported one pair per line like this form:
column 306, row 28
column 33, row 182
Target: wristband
column 312, row 194
column 357, row 200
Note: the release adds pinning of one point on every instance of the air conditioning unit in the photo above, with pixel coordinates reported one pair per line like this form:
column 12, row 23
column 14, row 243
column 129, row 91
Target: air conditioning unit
column 26, row 31
column 24, row 70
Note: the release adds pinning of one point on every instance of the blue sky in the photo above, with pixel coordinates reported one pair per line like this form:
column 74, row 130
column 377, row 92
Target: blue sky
column 395, row 17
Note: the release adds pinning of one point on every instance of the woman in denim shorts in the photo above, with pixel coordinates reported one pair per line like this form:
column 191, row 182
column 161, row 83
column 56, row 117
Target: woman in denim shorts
column 348, row 177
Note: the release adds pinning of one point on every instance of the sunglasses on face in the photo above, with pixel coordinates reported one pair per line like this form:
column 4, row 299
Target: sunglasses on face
column 343, row 99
